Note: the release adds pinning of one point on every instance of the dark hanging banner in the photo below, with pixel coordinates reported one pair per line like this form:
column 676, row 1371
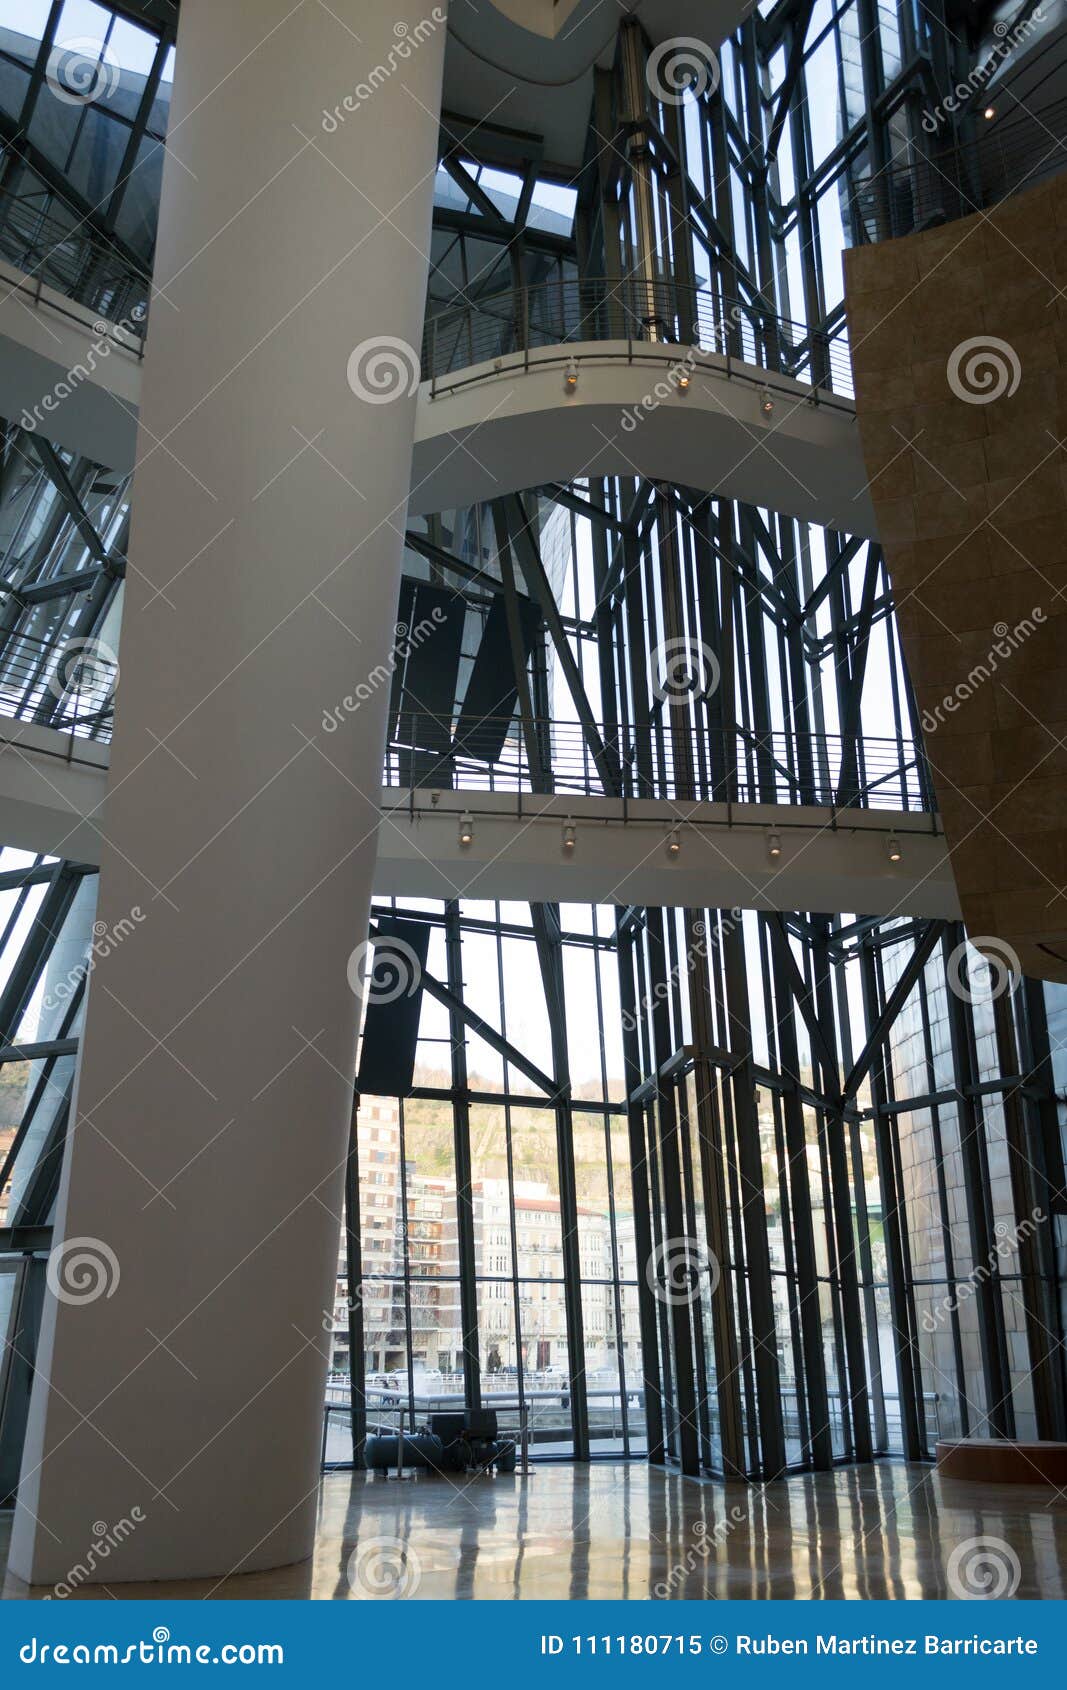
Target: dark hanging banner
column 392, row 990
column 492, row 693
column 430, row 635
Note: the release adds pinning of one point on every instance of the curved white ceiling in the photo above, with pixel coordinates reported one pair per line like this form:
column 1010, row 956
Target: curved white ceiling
column 537, row 75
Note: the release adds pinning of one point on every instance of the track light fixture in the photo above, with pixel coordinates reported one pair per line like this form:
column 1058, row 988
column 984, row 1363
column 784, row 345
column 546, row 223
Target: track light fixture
column 570, row 836
column 674, row 842
column 683, row 381
column 766, row 401
column 570, row 378
column 774, row 845
column 466, row 830
column 892, row 845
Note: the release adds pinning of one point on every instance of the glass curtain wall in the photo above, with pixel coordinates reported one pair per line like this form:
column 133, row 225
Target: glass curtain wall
column 47, row 943
column 502, row 1331
column 84, row 104
column 819, row 1173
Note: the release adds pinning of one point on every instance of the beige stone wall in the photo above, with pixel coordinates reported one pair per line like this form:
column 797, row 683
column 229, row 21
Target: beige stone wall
column 963, row 448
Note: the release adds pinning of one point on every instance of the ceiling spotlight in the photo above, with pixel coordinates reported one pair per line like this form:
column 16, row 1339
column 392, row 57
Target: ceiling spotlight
column 570, row 379
column 989, row 113
column 683, row 381
column 466, row 830
column 892, row 845
column 674, row 843
column 774, row 845
column 766, row 401
column 570, row 837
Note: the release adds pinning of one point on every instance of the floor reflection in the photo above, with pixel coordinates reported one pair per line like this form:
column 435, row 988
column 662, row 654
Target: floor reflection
column 630, row 1531
column 887, row 1530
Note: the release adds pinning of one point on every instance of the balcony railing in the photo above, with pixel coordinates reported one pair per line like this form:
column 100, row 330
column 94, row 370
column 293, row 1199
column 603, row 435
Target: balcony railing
column 67, row 684
column 548, row 1416
column 666, row 760
column 1014, row 153
column 70, row 686
column 41, row 235
column 559, row 313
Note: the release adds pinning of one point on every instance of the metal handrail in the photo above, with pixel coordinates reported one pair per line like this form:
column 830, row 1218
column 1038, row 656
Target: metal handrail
column 609, row 1424
column 563, row 312
column 669, row 758
column 954, row 178
column 664, row 759
column 66, row 684
column 72, row 258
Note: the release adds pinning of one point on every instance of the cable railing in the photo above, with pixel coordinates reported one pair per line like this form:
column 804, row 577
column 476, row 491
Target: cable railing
column 70, row 684
column 1013, row 153
column 72, row 258
column 566, row 312
column 665, row 759
column 64, row 684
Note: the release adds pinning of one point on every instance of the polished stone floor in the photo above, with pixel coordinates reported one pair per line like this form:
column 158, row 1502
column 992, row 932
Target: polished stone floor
column 618, row 1530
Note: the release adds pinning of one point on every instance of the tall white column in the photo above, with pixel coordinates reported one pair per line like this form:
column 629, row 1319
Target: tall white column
column 207, row 1157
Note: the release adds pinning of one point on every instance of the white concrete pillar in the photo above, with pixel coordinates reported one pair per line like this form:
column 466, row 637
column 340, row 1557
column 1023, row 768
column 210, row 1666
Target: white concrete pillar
column 216, row 1078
